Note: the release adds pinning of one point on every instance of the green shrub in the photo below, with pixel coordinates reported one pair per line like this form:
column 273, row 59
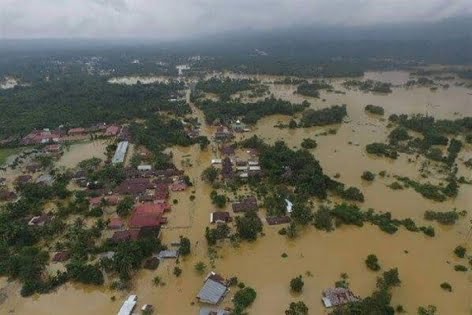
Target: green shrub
column 460, row 251
column 372, row 262
column 296, row 284
column 446, row 286
column 368, row 176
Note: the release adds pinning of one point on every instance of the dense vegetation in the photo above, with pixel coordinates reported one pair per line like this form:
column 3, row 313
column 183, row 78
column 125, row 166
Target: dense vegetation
column 322, row 117
column 312, row 89
column 374, row 109
column 368, row 86
column 327, row 219
column 82, row 101
column 249, row 112
column 381, row 149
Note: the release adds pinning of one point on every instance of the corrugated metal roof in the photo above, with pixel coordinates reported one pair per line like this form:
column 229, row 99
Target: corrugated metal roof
column 207, row 311
column 212, row 292
column 120, row 152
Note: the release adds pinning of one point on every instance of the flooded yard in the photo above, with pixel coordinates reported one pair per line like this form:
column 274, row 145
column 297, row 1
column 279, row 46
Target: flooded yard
column 82, row 151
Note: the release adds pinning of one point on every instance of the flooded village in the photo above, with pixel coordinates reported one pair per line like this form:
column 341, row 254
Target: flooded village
column 198, row 206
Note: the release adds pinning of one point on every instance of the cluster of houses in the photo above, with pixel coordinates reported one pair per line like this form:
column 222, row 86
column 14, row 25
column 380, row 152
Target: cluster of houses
column 235, row 167
column 149, row 189
column 226, row 133
column 61, row 134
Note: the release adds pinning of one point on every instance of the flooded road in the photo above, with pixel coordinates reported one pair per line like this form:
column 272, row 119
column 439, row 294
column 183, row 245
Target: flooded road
column 424, row 263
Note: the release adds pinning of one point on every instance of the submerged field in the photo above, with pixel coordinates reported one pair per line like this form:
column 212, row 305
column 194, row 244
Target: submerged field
column 423, row 262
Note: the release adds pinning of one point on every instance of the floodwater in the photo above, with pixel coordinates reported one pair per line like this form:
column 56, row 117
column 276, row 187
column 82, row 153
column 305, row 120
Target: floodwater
column 423, row 262
column 82, row 151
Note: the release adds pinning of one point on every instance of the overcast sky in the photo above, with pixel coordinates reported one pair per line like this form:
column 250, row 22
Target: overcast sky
column 168, row 19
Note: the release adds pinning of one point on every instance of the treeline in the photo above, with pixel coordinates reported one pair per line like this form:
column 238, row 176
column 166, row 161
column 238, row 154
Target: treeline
column 160, row 132
column 322, row 117
column 226, row 87
column 298, row 169
column 368, row 86
column 82, row 101
column 249, row 112
column 374, row 109
column 326, row 218
column 313, row 89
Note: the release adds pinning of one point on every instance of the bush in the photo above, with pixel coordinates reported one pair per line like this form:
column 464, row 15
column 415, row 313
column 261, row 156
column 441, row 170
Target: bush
column 323, row 220
column 446, row 286
column 373, row 109
column 368, row 176
column 185, row 246
column 372, row 262
column 177, row 271
column 200, row 267
column 460, row 251
column 395, row 186
column 297, row 308
column 244, row 297
column 296, row 284
column 309, row 143
column 429, row 310
column 381, row 149
column 447, row 218
column 428, row 230
column 391, row 278
column 460, row 268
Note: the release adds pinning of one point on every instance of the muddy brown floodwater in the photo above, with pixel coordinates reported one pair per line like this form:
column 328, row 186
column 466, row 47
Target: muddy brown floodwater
column 423, row 262
column 80, row 151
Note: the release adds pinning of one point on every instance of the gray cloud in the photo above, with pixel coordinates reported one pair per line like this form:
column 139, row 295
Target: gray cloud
column 164, row 19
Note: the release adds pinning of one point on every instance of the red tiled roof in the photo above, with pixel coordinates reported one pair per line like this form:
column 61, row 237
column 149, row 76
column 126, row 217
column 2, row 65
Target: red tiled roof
column 127, row 235
column 178, row 186
column 112, row 130
column 115, row 223
column 151, row 208
column 138, row 221
column 76, row 131
column 61, row 256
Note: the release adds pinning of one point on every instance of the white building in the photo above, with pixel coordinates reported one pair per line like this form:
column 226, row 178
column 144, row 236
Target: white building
column 120, row 152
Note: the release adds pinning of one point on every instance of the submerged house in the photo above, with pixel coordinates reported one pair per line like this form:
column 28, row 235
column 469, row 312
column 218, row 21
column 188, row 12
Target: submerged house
column 220, row 217
column 214, row 289
column 338, row 296
column 247, row 204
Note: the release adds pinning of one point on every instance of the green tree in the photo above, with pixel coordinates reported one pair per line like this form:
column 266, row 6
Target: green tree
column 125, row 206
column 296, row 284
column 200, row 267
column 297, row 308
column 372, row 262
column 249, row 226
column 185, row 246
